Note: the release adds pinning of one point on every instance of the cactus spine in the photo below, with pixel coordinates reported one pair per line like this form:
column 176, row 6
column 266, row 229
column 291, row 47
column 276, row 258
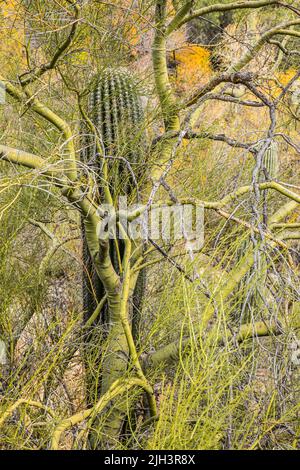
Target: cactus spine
column 270, row 161
column 116, row 111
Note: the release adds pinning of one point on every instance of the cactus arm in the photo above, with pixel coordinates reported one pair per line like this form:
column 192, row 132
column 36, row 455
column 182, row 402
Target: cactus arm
column 231, row 281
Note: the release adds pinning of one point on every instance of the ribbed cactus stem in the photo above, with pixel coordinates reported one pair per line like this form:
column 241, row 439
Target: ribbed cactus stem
column 115, row 102
column 271, row 160
column 115, row 109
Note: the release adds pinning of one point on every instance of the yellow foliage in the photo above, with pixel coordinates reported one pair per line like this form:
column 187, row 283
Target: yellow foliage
column 8, row 8
column 133, row 35
column 281, row 79
column 131, row 31
column 293, row 218
column 12, row 35
column 192, row 64
column 285, row 77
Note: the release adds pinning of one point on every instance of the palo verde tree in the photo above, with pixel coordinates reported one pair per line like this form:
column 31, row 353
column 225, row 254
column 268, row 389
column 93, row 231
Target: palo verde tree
column 78, row 87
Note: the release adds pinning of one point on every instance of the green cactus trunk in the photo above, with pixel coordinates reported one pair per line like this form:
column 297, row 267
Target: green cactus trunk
column 116, row 111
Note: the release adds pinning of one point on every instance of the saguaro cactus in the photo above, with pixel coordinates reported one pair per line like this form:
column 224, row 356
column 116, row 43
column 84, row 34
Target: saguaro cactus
column 115, row 109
